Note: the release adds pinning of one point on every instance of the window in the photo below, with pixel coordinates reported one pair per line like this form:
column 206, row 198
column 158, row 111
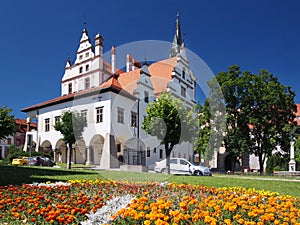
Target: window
column 9, row 141
column 87, row 67
column 154, row 150
column 120, row 113
column 87, row 54
column 118, row 147
column 87, row 83
column 146, row 98
column 134, row 119
column 99, row 115
column 183, row 162
column 183, row 73
column 160, row 153
column 184, row 155
column 47, row 124
column 83, row 114
column 80, row 57
column 70, row 88
column 57, row 119
column 173, row 154
column 173, row 161
column 148, row 151
column 80, row 69
column 183, row 92
column 179, row 155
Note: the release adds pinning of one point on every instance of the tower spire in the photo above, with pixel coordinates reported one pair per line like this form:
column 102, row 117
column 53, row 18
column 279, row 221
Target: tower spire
column 178, row 32
column 177, row 41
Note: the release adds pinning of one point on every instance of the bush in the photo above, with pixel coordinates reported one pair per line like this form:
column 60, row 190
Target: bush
column 15, row 152
column 277, row 162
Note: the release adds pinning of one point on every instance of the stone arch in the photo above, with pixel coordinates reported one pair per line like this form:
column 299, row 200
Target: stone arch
column 46, row 147
column 134, row 152
column 79, row 153
column 95, row 149
column 60, row 151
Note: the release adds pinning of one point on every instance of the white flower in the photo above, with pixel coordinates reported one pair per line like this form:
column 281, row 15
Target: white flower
column 103, row 215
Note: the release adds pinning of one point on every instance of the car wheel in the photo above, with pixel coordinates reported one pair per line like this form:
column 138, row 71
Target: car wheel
column 164, row 170
column 198, row 173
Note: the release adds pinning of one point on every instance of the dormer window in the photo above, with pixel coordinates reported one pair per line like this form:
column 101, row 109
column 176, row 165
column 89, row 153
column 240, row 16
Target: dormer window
column 87, row 67
column 80, row 69
column 70, row 88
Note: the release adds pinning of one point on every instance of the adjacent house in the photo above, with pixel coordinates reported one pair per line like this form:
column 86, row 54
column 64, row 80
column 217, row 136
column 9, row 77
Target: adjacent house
column 18, row 139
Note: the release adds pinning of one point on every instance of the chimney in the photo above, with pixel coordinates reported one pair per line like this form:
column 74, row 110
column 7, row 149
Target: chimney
column 128, row 63
column 113, row 60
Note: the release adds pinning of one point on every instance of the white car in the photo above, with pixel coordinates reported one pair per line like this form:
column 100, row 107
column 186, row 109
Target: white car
column 182, row 166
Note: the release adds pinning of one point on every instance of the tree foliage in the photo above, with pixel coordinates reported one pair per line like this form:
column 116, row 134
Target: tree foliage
column 259, row 110
column 7, row 123
column 171, row 122
column 71, row 127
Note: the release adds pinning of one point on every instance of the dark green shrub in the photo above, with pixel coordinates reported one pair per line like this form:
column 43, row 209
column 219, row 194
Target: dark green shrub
column 277, row 162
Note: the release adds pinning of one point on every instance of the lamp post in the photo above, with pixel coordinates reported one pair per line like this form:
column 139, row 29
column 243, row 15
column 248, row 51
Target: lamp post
column 292, row 163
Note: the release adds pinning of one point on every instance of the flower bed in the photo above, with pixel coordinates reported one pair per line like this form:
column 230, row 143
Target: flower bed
column 114, row 202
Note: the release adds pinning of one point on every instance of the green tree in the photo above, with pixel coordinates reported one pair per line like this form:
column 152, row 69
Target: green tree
column 236, row 132
column 202, row 142
column 270, row 111
column 171, row 122
column 71, row 127
column 7, row 123
column 259, row 110
column 212, row 122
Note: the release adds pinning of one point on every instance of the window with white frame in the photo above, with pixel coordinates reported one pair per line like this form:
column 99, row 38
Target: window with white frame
column 57, row 119
column 120, row 115
column 99, row 114
column 134, row 119
column 47, row 124
column 160, row 153
column 83, row 114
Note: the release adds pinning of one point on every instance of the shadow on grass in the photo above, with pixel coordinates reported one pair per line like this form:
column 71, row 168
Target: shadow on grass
column 18, row 175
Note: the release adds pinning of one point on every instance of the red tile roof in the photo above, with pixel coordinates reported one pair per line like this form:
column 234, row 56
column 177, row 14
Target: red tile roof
column 23, row 122
column 161, row 74
column 112, row 82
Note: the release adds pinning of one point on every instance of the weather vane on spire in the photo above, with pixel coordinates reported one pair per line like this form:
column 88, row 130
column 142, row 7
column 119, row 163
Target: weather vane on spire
column 84, row 23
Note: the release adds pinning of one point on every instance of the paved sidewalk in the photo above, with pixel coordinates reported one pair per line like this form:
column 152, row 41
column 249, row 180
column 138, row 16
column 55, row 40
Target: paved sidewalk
column 258, row 178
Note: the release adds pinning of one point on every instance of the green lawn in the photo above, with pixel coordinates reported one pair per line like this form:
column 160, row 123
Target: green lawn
column 19, row 175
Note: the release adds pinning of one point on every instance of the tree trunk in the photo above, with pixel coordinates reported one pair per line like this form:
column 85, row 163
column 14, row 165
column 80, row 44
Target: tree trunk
column 261, row 164
column 168, row 154
column 69, row 155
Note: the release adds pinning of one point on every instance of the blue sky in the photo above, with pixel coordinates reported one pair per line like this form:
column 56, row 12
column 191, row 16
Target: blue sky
column 38, row 36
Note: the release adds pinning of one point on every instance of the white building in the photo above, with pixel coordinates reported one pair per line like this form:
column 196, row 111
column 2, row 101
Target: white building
column 113, row 102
